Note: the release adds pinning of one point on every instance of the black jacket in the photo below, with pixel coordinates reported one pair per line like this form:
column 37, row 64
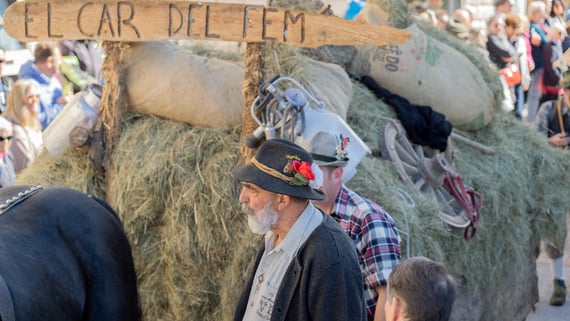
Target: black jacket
column 322, row 283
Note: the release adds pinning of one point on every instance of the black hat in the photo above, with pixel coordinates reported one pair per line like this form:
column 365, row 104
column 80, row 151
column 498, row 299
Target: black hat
column 282, row 167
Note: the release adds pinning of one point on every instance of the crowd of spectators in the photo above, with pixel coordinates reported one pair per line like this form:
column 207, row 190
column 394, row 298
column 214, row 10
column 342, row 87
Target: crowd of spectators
column 531, row 45
column 531, row 42
column 30, row 101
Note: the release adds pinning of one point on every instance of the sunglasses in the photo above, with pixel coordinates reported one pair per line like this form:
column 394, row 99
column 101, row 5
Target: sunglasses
column 2, row 138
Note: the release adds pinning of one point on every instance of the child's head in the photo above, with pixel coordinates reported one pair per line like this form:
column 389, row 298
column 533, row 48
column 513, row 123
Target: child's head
column 5, row 135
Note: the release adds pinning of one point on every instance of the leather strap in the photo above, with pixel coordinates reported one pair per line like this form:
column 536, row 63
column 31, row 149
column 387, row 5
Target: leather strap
column 560, row 121
column 16, row 199
column 469, row 200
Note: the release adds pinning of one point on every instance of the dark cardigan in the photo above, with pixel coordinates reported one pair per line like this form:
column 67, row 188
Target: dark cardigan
column 322, row 283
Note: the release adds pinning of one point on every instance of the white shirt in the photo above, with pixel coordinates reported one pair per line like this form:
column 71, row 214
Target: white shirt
column 275, row 262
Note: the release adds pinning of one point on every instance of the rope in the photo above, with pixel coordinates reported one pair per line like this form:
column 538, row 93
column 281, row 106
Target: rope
column 253, row 76
column 270, row 171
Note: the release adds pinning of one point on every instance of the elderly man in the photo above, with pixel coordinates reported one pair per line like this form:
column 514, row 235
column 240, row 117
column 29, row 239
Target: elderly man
column 307, row 268
column 372, row 231
column 420, row 289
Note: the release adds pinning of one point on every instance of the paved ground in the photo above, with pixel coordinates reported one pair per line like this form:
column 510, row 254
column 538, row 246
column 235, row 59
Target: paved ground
column 545, row 312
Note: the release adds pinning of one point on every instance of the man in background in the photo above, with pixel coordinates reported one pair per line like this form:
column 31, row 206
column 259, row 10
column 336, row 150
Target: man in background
column 44, row 71
column 420, row 289
column 372, row 231
column 553, row 120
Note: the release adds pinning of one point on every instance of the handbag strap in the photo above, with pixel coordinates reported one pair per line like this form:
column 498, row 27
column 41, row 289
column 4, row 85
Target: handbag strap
column 560, row 121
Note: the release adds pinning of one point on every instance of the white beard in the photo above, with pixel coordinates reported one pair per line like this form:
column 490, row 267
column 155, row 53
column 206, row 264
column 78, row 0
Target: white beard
column 262, row 223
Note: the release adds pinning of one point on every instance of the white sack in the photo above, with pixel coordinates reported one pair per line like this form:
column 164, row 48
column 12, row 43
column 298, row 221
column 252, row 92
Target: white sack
column 166, row 80
column 428, row 72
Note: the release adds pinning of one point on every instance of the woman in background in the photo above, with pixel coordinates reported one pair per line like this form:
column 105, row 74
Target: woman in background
column 514, row 33
column 7, row 172
column 557, row 13
column 22, row 111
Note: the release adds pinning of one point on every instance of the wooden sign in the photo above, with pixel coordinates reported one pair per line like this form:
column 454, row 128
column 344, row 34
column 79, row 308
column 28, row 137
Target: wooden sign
column 35, row 20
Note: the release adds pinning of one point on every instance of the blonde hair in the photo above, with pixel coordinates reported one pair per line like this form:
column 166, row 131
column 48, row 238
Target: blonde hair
column 535, row 6
column 556, row 28
column 16, row 110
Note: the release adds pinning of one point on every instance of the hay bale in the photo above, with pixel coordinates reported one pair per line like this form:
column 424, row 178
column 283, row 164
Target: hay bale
column 515, row 183
column 71, row 169
column 180, row 210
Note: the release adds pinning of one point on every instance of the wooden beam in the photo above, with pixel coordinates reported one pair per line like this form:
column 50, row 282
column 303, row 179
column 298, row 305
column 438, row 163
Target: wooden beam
column 44, row 20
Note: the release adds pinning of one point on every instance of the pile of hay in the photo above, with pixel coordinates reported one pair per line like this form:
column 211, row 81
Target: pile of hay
column 191, row 245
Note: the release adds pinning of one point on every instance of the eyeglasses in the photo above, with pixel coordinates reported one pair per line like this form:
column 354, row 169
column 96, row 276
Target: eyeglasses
column 2, row 138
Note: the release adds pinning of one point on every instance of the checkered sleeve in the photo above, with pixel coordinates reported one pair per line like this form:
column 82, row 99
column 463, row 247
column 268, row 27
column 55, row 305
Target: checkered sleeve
column 375, row 236
column 380, row 241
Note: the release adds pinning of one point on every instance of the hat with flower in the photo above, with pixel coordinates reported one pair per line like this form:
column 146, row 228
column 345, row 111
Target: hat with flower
column 282, row 167
column 328, row 149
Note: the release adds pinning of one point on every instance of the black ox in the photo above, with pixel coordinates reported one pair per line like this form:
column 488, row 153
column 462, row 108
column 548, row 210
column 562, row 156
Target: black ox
column 63, row 256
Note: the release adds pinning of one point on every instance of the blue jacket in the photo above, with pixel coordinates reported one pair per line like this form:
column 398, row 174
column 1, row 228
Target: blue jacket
column 537, row 51
column 50, row 91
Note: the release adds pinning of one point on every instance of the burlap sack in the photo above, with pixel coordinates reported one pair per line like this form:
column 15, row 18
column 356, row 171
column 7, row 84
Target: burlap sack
column 428, row 72
column 166, row 80
column 330, row 84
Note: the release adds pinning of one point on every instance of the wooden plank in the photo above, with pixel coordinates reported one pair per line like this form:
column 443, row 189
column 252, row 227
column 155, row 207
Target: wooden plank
column 41, row 20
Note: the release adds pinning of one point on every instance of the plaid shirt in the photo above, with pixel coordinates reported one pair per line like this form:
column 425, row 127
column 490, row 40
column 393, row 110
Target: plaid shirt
column 375, row 236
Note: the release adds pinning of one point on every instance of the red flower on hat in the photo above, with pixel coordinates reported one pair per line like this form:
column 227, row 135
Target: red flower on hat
column 304, row 168
column 302, row 171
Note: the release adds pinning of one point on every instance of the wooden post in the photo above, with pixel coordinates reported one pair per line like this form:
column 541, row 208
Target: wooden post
column 112, row 107
column 132, row 21
column 254, row 75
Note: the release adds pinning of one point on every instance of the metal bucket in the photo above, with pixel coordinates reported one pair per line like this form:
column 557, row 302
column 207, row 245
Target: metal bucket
column 81, row 111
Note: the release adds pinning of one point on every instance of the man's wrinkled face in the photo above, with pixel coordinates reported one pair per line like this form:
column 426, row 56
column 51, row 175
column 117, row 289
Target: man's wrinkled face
column 260, row 208
column 262, row 221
